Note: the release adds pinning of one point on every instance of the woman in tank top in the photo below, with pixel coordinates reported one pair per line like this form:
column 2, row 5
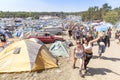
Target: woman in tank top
column 78, row 54
column 88, row 50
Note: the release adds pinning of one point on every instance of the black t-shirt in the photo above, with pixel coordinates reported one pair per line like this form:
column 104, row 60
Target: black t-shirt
column 70, row 32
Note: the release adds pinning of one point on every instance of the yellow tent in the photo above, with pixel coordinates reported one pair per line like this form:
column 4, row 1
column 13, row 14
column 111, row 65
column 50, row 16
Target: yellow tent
column 26, row 55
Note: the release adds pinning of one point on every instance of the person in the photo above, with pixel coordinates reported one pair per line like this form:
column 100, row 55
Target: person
column 117, row 34
column 3, row 40
column 84, row 31
column 70, row 33
column 109, row 33
column 77, row 33
column 103, row 42
column 88, row 50
column 78, row 54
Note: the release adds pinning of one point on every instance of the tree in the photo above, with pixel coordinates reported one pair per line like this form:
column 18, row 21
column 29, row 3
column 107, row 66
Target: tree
column 105, row 8
column 111, row 17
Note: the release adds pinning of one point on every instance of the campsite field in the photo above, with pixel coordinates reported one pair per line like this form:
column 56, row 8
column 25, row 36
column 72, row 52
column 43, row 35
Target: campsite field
column 107, row 68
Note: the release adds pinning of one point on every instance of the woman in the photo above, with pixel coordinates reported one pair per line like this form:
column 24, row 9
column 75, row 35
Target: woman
column 88, row 50
column 78, row 54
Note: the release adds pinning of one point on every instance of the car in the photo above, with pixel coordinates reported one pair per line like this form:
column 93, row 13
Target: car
column 46, row 37
column 54, row 30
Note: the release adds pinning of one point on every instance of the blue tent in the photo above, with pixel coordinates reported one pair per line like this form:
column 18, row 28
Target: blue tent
column 19, row 32
column 118, row 26
column 8, row 34
column 101, row 28
column 109, row 25
column 17, row 25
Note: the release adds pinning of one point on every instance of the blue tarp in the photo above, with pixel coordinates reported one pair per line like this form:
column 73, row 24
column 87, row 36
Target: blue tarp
column 118, row 26
column 101, row 28
column 17, row 25
column 19, row 32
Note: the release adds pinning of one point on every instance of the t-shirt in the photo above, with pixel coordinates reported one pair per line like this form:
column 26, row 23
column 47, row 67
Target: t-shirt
column 77, row 32
column 102, row 43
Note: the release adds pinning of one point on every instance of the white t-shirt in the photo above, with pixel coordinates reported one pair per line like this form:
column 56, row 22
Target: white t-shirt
column 102, row 43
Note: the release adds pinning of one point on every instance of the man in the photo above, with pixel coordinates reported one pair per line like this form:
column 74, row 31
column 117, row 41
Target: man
column 103, row 42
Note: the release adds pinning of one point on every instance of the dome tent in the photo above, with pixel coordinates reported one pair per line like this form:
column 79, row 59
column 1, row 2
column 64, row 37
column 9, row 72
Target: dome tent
column 26, row 55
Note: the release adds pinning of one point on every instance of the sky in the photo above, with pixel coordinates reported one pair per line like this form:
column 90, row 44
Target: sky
column 53, row 5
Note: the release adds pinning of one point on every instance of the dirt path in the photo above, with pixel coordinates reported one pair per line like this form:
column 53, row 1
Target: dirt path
column 106, row 68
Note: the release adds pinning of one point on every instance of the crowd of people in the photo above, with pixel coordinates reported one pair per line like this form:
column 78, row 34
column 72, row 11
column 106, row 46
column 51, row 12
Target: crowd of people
column 85, row 39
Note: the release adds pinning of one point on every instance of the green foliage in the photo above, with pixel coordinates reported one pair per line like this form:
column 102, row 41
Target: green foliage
column 96, row 13
column 93, row 13
column 30, row 14
column 111, row 17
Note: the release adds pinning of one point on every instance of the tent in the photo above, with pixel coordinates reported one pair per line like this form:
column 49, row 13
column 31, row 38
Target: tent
column 26, row 55
column 101, row 28
column 109, row 25
column 59, row 49
column 7, row 33
column 118, row 26
column 36, row 40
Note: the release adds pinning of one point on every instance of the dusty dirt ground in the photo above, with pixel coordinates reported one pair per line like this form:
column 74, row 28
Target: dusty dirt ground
column 106, row 68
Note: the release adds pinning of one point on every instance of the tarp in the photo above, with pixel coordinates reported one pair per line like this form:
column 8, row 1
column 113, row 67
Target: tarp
column 59, row 49
column 118, row 26
column 25, row 55
column 6, row 33
column 109, row 25
column 101, row 28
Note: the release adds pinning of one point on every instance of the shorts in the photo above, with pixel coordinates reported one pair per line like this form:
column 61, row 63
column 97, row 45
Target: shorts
column 88, row 55
column 79, row 56
column 101, row 49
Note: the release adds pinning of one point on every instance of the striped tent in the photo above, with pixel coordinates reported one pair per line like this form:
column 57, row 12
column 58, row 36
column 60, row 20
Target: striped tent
column 26, row 55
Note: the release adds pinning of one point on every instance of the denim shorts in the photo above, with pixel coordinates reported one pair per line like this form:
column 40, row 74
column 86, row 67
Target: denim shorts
column 101, row 49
